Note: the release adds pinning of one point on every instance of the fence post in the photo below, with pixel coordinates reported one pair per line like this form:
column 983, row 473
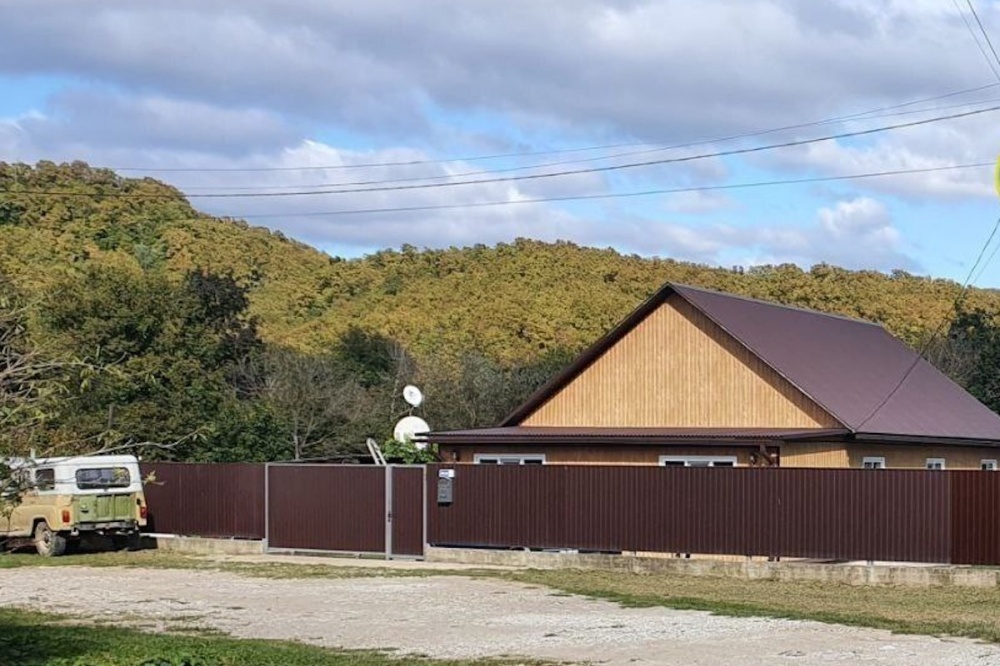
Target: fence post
column 267, row 506
column 426, row 471
column 388, row 512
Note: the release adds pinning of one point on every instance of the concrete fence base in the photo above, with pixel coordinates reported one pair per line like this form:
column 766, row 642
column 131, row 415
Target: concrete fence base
column 202, row 545
column 851, row 573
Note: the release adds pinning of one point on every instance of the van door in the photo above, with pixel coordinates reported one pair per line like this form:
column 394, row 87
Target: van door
column 109, row 506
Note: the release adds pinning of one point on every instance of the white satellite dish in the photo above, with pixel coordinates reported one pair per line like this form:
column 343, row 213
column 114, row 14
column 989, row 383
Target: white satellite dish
column 409, row 426
column 412, row 395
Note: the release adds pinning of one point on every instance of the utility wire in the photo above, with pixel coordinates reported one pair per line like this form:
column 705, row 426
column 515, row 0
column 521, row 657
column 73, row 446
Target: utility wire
column 621, row 195
column 986, row 35
column 927, row 344
column 973, row 274
column 829, row 121
column 526, row 177
column 564, row 151
column 975, row 38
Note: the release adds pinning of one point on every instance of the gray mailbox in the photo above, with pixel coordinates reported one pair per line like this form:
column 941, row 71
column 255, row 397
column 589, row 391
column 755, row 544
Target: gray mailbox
column 445, row 489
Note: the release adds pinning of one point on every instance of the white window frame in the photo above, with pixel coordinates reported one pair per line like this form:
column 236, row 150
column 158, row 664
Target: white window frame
column 509, row 458
column 873, row 462
column 710, row 460
column 933, row 463
column 988, row 464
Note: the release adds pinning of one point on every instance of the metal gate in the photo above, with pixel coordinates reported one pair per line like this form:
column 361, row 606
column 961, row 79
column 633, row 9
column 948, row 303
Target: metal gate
column 345, row 509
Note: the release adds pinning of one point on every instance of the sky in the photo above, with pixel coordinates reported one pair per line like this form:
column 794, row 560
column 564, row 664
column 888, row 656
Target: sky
column 359, row 126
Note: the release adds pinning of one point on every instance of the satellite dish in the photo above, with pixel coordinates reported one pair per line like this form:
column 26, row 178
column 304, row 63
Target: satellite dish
column 412, row 395
column 409, row 426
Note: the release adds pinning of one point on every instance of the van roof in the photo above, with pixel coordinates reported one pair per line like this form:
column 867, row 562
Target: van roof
column 84, row 460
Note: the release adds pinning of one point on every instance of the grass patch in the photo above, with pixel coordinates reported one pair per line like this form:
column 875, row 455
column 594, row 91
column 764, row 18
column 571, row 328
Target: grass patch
column 956, row 611
column 152, row 559
column 143, row 558
column 40, row 639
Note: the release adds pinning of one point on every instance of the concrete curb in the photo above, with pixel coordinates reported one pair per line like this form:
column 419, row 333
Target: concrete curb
column 851, row 573
column 202, row 546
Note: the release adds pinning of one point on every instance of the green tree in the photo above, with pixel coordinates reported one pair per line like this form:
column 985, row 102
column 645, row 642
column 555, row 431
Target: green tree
column 176, row 345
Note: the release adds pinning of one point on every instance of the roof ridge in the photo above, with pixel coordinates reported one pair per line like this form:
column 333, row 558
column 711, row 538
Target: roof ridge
column 776, row 304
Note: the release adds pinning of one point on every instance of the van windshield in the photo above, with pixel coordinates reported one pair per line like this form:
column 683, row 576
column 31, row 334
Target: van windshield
column 103, row 477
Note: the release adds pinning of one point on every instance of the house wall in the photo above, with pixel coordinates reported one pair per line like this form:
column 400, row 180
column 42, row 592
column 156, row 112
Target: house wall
column 813, row 454
column 598, row 455
column 914, row 456
column 678, row 369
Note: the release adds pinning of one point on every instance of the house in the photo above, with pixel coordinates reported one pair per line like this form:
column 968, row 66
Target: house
column 700, row 378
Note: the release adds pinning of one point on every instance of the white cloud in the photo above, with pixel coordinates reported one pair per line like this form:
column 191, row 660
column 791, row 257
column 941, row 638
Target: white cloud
column 961, row 142
column 857, row 233
column 80, row 117
column 651, row 69
column 693, row 203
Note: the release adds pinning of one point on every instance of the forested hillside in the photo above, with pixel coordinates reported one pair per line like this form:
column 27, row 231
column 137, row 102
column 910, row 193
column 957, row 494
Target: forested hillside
column 235, row 342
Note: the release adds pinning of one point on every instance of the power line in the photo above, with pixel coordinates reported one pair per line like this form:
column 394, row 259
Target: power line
column 828, row 121
column 621, row 195
column 975, row 38
column 986, row 35
column 564, row 151
column 954, row 308
column 525, row 177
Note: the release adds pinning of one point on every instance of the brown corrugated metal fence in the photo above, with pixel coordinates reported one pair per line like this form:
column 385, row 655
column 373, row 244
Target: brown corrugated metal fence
column 209, row 500
column 407, row 510
column 898, row 515
column 975, row 519
column 327, row 507
column 885, row 515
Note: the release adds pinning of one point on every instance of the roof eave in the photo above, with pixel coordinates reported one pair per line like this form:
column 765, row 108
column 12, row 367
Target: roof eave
column 610, row 439
column 902, row 438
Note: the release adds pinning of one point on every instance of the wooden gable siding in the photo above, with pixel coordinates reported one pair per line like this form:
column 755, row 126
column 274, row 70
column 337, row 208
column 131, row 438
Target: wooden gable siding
column 678, row 368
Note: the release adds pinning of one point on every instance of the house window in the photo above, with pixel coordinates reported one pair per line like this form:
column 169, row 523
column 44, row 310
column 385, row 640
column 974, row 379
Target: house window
column 510, row 459
column 988, row 465
column 698, row 461
column 873, row 462
column 935, row 463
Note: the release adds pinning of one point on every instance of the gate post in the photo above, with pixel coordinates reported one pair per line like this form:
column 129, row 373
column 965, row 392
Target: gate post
column 426, row 508
column 267, row 507
column 388, row 512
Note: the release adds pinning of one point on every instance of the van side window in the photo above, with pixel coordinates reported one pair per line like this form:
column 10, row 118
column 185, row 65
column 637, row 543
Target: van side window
column 45, row 478
column 90, row 478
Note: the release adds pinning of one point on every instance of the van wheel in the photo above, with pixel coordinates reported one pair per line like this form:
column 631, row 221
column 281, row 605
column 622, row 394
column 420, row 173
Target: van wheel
column 47, row 542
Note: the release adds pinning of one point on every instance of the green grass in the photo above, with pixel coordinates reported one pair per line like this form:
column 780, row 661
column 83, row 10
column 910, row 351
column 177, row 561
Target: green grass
column 946, row 610
column 41, row 639
column 151, row 559
column 143, row 558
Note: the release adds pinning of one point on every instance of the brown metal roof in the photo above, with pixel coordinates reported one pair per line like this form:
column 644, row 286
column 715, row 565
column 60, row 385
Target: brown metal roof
column 847, row 366
column 559, row 435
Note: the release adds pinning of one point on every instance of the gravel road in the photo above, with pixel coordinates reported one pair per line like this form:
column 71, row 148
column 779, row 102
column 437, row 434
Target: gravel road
column 449, row 616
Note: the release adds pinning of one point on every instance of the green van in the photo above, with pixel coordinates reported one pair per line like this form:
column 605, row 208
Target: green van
column 65, row 499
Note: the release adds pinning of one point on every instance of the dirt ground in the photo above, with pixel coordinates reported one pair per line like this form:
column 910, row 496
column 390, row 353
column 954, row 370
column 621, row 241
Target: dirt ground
column 449, row 616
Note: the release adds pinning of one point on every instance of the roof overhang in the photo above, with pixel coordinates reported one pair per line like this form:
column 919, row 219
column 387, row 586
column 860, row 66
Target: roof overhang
column 557, row 436
column 890, row 438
